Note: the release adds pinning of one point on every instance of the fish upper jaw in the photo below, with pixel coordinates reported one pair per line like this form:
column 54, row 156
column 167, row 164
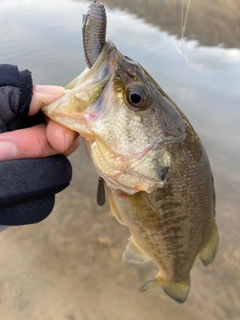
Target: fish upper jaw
column 84, row 91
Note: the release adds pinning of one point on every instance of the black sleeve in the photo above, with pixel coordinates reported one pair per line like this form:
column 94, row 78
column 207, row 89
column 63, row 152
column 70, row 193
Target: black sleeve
column 15, row 93
column 27, row 186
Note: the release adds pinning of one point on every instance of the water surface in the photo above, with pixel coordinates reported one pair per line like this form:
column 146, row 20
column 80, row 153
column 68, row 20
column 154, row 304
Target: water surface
column 70, row 266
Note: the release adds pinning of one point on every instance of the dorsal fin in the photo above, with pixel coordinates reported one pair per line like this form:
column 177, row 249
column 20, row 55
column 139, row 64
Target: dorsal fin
column 208, row 252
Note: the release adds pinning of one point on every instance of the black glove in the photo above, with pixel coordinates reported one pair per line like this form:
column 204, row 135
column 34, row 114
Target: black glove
column 27, row 186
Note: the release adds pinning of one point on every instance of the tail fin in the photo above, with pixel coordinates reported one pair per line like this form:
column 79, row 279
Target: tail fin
column 178, row 291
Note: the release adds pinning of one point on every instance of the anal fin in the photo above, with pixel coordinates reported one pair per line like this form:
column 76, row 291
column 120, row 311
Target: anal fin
column 208, row 252
column 178, row 291
column 134, row 254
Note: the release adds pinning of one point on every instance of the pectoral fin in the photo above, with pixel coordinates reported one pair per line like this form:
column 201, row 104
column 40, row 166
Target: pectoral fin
column 134, row 254
column 145, row 212
column 208, row 253
column 178, row 291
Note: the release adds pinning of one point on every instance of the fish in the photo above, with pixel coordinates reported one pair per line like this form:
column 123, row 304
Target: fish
column 154, row 167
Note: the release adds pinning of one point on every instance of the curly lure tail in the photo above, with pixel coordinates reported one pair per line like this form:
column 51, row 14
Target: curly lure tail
column 94, row 32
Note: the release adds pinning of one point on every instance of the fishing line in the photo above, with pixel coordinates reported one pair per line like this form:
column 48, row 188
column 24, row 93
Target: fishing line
column 183, row 27
column 184, row 23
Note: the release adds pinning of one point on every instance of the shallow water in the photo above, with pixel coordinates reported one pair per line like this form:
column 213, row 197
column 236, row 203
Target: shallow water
column 70, row 266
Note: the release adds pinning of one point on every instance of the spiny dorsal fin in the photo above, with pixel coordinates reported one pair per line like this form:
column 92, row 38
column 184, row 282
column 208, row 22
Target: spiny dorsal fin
column 134, row 254
column 208, row 253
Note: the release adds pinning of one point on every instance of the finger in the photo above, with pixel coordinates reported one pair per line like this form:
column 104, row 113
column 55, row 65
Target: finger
column 43, row 95
column 60, row 137
column 73, row 147
column 25, row 143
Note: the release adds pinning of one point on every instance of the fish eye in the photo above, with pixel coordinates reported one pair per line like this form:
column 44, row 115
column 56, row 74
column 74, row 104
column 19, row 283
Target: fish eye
column 137, row 97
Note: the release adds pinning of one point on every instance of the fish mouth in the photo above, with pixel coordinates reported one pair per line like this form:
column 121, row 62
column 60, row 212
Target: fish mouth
column 104, row 66
column 73, row 109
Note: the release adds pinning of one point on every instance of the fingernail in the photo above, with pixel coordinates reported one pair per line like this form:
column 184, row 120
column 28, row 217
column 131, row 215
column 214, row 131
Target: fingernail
column 49, row 90
column 8, row 150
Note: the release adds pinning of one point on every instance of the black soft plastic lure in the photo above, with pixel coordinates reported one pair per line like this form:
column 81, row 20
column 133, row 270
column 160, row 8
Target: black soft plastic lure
column 94, row 38
column 94, row 31
column 101, row 192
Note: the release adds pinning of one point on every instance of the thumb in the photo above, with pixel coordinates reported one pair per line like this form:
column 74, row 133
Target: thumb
column 43, row 95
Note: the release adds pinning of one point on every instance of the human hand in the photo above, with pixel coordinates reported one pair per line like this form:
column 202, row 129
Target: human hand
column 42, row 140
column 32, row 177
column 32, row 170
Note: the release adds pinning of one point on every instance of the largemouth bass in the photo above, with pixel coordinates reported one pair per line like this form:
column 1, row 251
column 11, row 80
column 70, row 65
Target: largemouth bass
column 156, row 171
